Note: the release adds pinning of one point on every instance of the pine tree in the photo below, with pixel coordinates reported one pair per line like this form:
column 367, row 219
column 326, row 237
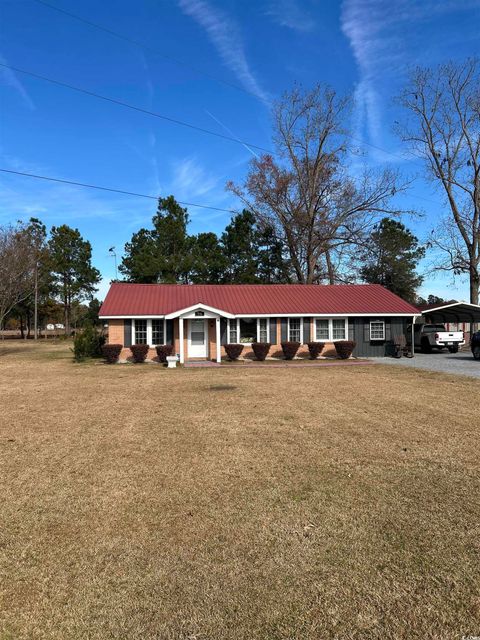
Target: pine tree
column 392, row 258
column 70, row 260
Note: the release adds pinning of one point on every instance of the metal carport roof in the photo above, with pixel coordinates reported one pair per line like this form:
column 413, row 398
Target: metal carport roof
column 452, row 312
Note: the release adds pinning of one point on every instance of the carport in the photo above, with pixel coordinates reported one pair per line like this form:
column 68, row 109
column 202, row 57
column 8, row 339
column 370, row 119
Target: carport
column 452, row 312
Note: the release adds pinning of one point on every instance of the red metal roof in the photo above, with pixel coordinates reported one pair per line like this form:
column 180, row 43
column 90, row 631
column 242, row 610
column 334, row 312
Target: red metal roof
column 130, row 300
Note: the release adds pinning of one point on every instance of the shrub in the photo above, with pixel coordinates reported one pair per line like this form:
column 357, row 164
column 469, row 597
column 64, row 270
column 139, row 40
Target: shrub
column 139, row 352
column 344, row 348
column 315, row 349
column 290, row 349
column 164, row 350
column 87, row 344
column 111, row 352
column 233, row 351
column 261, row 349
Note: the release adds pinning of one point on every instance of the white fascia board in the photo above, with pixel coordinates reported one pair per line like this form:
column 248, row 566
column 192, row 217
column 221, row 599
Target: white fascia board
column 327, row 315
column 198, row 307
column 225, row 314
column 128, row 317
column 448, row 306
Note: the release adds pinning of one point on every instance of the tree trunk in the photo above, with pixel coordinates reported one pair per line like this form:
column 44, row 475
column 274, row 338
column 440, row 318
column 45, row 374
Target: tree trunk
column 22, row 332
column 474, row 284
column 330, row 269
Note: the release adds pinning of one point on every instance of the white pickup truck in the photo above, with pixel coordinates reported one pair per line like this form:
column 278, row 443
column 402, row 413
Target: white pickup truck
column 435, row 336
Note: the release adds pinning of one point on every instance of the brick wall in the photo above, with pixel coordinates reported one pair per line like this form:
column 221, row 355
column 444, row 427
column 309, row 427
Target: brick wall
column 116, row 336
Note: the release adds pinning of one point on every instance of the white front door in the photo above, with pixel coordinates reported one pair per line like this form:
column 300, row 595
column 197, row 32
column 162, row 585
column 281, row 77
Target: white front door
column 197, row 339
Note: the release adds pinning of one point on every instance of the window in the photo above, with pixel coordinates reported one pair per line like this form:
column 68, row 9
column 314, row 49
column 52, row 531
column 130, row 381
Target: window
column 295, row 329
column 331, row 329
column 232, row 331
column 338, row 329
column 140, row 332
column 248, row 330
column 377, row 330
column 322, row 329
column 158, row 334
column 263, row 329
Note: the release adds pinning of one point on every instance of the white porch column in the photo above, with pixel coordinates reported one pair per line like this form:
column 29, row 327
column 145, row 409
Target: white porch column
column 180, row 336
column 217, row 335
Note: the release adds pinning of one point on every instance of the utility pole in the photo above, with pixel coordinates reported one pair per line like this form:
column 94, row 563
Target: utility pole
column 35, row 321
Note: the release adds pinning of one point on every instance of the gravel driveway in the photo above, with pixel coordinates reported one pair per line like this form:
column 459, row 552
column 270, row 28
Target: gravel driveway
column 461, row 363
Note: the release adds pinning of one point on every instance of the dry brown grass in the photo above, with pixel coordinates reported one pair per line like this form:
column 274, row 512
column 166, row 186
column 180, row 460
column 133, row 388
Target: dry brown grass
column 143, row 503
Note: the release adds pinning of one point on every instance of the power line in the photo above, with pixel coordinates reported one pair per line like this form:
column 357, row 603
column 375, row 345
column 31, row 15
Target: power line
column 121, row 191
column 182, row 63
column 142, row 45
column 131, row 106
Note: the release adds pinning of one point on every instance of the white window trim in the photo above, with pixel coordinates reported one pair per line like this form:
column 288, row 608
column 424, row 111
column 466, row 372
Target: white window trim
column 301, row 329
column 149, row 331
column 239, row 337
column 330, row 329
column 268, row 328
column 370, row 331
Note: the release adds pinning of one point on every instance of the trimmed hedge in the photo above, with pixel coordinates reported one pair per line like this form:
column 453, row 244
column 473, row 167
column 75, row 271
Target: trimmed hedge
column 290, row 349
column 111, row 352
column 315, row 349
column 233, row 351
column 344, row 348
column 261, row 349
column 164, row 350
column 139, row 352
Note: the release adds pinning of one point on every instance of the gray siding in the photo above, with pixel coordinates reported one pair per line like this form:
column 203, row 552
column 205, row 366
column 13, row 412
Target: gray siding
column 306, row 330
column 359, row 330
column 273, row 330
column 127, row 332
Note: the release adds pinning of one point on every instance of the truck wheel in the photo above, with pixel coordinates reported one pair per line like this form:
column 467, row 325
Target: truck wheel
column 453, row 349
column 476, row 352
column 426, row 346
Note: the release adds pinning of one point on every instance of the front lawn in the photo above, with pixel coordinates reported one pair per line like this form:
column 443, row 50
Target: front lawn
column 235, row 503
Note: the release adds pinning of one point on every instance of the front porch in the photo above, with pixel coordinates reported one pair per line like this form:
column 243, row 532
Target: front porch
column 199, row 334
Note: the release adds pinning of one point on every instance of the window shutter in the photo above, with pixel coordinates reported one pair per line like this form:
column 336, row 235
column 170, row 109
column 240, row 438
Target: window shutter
column 223, row 330
column 366, row 330
column 388, row 330
column 127, row 332
column 306, row 330
column 169, row 339
column 273, row 330
column 284, row 333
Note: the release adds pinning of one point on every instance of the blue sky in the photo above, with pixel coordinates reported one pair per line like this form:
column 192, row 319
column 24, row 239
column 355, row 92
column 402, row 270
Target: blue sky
column 363, row 47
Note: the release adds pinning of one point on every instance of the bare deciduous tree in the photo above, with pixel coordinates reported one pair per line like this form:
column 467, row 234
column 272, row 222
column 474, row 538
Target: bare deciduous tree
column 17, row 266
column 307, row 195
column 444, row 130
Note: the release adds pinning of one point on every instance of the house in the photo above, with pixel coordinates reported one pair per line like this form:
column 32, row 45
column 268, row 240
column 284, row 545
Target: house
column 200, row 319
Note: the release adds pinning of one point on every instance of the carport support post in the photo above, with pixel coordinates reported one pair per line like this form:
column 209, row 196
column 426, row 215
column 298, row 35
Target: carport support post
column 413, row 336
column 217, row 336
column 180, row 336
